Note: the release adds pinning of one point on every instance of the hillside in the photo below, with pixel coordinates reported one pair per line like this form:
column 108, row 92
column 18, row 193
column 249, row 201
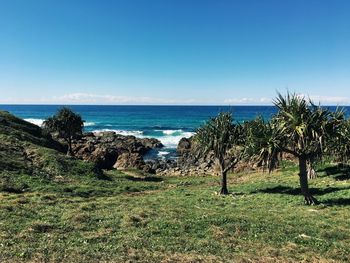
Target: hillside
column 26, row 149
column 57, row 209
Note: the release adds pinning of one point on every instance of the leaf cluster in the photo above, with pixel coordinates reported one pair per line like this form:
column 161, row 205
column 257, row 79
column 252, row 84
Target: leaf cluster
column 65, row 123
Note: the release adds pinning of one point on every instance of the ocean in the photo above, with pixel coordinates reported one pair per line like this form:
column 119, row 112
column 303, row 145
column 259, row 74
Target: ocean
column 167, row 123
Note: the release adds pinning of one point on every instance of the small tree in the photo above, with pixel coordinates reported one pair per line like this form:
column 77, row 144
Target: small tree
column 261, row 145
column 298, row 128
column 338, row 143
column 67, row 124
column 224, row 139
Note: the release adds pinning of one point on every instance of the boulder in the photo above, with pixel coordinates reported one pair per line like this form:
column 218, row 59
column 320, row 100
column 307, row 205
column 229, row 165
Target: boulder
column 108, row 149
column 184, row 146
column 129, row 160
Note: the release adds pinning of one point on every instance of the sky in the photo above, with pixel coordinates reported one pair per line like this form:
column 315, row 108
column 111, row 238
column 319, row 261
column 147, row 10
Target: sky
column 183, row 52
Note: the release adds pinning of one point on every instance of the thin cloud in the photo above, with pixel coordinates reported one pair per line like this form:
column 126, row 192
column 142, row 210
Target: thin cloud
column 249, row 101
column 111, row 99
column 87, row 98
column 332, row 100
column 324, row 100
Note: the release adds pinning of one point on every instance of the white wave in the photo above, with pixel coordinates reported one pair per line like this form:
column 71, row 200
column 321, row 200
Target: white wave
column 169, row 140
column 38, row 122
column 87, row 123
column 162, row 153
column 172, row 141
column 169, row 132
column 121, row 132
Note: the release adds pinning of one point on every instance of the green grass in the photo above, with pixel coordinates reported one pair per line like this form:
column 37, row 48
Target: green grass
column 132, row 218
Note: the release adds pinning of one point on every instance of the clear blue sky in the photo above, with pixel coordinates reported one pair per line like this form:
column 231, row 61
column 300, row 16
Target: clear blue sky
column 173, row 51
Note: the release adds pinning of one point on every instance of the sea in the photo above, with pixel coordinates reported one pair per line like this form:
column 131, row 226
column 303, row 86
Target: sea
column 166, row 123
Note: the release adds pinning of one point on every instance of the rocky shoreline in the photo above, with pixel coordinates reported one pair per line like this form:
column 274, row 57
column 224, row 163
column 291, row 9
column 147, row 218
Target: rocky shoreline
column 104, row 150
column 109, row 150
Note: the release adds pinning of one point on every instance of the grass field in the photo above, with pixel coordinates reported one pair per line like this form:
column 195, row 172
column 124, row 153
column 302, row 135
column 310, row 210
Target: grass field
column 131, row 218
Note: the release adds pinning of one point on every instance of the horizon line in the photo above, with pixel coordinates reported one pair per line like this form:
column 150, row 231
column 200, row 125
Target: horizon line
column 161, row 105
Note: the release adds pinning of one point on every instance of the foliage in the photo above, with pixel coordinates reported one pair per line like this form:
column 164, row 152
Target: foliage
column 299, row 128
column 224, row 139
column 338, row 143
column 66, row 124
column 262, row 143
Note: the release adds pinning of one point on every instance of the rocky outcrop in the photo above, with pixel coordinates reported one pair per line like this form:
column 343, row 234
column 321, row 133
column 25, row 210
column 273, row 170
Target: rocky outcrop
column 188, row 162
column 191, row 162
column 184, row 146
column 129, row 160
column 110, row 150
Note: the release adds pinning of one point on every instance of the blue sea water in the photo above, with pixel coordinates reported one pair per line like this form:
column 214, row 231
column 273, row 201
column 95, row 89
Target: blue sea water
column 166, row 123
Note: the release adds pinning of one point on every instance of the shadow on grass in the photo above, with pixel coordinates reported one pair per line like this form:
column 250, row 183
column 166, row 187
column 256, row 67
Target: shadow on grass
column 296, row 191
column 314, row 191
column 103, row 176
column 144, row 179
column 338, row 172
column 337, row 202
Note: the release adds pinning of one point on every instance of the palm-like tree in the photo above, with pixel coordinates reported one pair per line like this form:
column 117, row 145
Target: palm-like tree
column 298, row 128
column 338, row 143
column 262, row 143
column 224, row 139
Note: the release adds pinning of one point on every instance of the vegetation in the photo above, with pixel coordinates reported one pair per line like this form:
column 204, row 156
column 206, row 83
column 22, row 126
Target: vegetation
column 55, row 208
column 67, row 124
column 338, row 143
column 300, row 129
column 131, row 218
column 224, row 139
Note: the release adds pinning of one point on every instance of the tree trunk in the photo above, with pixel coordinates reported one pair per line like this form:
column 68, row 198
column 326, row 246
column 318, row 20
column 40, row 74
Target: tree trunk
column 223, row 190
column 70, row 150
column 309, row 199
column 311, row 173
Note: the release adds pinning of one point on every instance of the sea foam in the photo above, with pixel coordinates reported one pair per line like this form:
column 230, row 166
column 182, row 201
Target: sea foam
column 121, row 132
column 169, row 138
column 87, row 123
column 38, row 122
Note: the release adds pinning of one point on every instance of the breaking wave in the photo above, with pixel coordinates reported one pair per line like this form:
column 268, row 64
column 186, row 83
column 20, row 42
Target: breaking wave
column 38, row 122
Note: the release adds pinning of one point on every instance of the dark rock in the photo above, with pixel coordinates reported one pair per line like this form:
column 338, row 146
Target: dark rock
column 89, row 134
column 147, row 168
column 184, row 146
column 151, row 143
column 108, row 149
column 129, row 160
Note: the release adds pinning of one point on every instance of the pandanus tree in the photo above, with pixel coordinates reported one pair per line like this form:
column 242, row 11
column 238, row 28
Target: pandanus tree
column 67, row 124
column 299, row 129
column 261, row 144
column 338, row 143
column 221, row 137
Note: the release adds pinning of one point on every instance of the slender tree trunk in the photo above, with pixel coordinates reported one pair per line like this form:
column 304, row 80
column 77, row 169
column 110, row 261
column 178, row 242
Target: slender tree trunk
column 309, row 199
column 311, row 173
column 70, row 150
column 223, row 190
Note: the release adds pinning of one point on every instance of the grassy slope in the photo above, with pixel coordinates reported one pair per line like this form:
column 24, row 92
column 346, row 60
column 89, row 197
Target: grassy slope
column 25, row 149
column 83, row 219
column 53, row 208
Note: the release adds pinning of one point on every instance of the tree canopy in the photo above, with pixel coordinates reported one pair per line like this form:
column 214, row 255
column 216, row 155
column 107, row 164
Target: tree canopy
column 224, row 139
column 67, row 124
